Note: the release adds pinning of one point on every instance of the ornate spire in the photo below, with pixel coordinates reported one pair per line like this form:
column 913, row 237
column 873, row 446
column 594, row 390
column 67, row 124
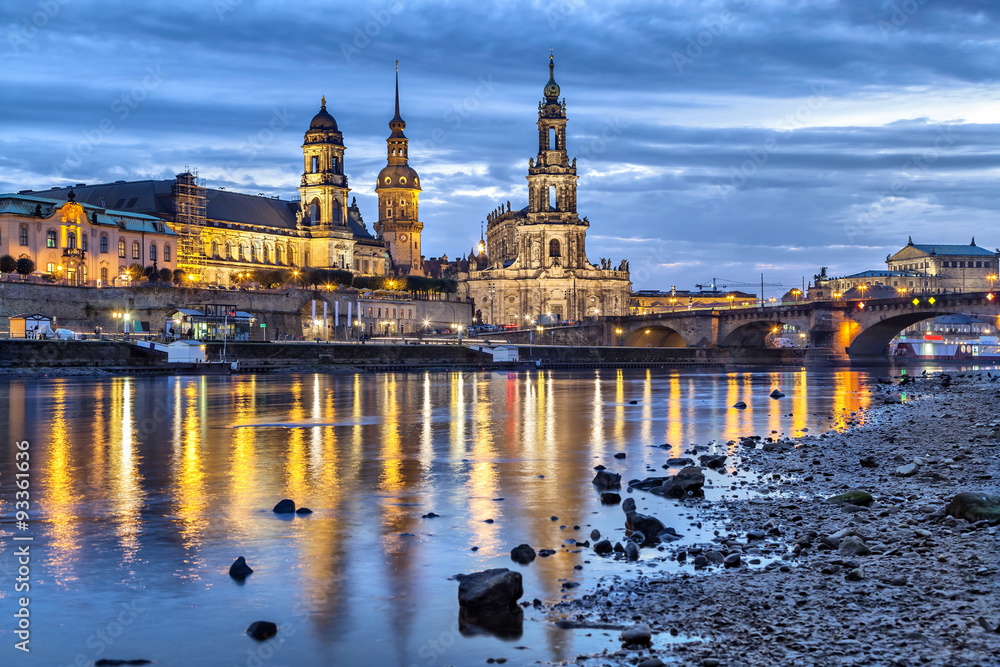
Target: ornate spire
column 551, row 88
column 397, row 92
column 322, row 102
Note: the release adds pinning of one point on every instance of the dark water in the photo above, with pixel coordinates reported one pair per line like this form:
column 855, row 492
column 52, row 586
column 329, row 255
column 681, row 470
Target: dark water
column 145, row 490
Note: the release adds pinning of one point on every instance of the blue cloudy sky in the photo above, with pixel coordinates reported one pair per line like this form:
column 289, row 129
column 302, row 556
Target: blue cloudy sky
column 718, row 139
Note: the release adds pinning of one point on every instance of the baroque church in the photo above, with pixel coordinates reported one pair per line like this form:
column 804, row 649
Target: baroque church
column 534, row 263
column 223, row 235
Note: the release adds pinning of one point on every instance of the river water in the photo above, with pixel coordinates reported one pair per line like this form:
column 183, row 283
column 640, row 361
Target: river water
column 144, row 491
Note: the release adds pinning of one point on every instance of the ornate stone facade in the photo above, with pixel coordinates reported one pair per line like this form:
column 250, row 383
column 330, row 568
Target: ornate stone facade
column 536, row 262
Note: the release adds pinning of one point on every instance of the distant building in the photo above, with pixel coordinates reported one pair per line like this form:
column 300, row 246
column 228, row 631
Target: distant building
column 650, row 302
column 952, row 327
column 535, row 261
column 77, row 243
column 919, row 269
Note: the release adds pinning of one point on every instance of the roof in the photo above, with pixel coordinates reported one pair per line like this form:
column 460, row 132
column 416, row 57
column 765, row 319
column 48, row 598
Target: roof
column 945, row 249
column 880, row 273
column 30, row 316
column 25, row 204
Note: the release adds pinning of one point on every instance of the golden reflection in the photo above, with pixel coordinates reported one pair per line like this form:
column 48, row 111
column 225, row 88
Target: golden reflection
column 800, row 403
column 60, row 494
column 126, row 491
column 243, row 476
column 294, row 481
column 188, row 466
column 597, row 417
column 390, row 479
column 646, row 423
column 618, row 428
column 675, row 423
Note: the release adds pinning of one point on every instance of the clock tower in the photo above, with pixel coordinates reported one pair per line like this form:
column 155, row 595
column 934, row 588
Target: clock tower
column 398, row 189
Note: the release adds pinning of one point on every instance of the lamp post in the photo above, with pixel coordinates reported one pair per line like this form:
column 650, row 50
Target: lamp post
column 493, row 291
column 673, row 303
column 126, row 317
column 731, row 297
column 796, row 293
column 618, row 332
column 863, row 287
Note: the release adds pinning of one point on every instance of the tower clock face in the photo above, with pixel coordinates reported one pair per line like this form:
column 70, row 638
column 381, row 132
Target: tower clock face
column 402, row 238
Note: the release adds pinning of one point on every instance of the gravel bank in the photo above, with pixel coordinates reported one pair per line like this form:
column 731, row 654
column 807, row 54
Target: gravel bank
column 893, row 582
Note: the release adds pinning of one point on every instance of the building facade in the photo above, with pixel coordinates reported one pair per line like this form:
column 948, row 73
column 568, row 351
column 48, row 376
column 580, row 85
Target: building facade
column 919, row 269
column 535, row 263
column 651, row 302
column 80, row 244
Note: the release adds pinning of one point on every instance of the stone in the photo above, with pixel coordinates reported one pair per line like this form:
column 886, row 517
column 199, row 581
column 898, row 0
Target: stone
column 628, row 505
column 898, row 580
column 777, row 394
column 856, row 574
column 607, row 480
column 974, row 507
column 715, row 557
column 490, row 590
column 595, row 534
column 740, row 405
column 652, row 662
column 637, row 635
column 285, row 506
column 620, row 455
column 523, row 554
column 632, row 550
column 853, row 497
column 868, row 462
column 240, row 569
column 680, row 462
column 712, row 461
column 261, row 630
column 649, row 526
column 637, row 537
column 732, row 560
column 306, row 510
column 610, row 498
column 700, row 560
column 430, row 515
column 603, row 547
column 908, row 470
column 853, row 545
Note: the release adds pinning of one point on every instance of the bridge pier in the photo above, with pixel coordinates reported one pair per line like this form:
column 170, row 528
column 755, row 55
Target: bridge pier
column 829, row 336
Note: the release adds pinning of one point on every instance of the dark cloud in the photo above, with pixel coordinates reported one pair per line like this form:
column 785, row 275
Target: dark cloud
column 723, row 138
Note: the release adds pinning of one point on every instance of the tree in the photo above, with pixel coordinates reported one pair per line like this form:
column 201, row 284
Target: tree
column 8, row 264
column 342, row 277
column 179, row 276
column 151, row 273
column 25, row 267
column 166, row 275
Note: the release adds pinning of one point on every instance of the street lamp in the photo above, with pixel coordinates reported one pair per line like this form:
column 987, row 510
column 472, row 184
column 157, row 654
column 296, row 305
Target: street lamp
column 992, row 279
column 127, row 317
column 863, row 287
column 731, row 297
column 673, row 303
column 796, row 293
column 618, row 332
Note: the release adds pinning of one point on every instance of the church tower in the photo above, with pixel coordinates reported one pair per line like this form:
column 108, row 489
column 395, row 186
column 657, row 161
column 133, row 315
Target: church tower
column 324, row 186
column 398, row 189
column 552, row 191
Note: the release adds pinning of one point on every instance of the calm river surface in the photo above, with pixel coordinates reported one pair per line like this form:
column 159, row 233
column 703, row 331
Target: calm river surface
column 144, row 491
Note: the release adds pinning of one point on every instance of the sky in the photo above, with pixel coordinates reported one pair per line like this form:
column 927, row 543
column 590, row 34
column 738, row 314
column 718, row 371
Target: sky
column 720, row 139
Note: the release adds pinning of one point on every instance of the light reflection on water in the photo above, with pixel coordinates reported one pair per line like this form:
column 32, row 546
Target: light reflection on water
column 149, row 488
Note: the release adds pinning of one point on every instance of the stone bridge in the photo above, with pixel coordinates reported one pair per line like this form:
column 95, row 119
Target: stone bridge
column 836, row 331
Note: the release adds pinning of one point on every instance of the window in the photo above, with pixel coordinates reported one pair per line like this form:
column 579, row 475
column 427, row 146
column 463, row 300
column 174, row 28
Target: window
column 553, row 143
column 152, row 252
column 121, row 247
column 104, row 243
column 369, row 311
column 277, row 255
column 314, row 212
column 553, row 204
column 166, row 252
column 50, row 267
column 83, row 240
column 253, row 253
column 240, row 252
column 50, row 238
column 24, row 236
column 135, row 250
column 335, row 212
column 335, row 167
column 71, row 240
column 979, row 265
column 104, row 275
column 314, row 167
column 229, row 251
column 554, row 248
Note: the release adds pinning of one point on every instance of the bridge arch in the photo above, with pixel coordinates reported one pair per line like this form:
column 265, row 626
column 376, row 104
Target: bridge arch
column 655, row 335
column 873, row 340
column 751, row 334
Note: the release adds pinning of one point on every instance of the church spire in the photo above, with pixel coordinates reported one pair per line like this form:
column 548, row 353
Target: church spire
column 551, row 91
column 397, row 117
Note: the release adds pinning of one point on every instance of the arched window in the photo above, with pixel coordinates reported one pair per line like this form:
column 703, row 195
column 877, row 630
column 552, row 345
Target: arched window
column 335, row 212
column 24, row 236
column 104, row 243
column 314, row 166
column 291, row 256
column 229, row 250
column 314, row 212
column 104, row 275
column 71, row 240
column 266, row 258
column 239, row 252
column 121, row 247
column 554, row 248
column 553, row 201
column 253, row 253
column 83, row 240
column 166, row 252
column 50, row 238
column 152, row 252
column 335, row 167
column 215, row 249
column 135, row 250
column 277, row 255
column 553, row 140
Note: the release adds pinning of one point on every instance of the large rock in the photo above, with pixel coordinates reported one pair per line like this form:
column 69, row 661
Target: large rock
column 523, row 554
column 285, row 506
column 852, row 545
column 975, row 507
column 610, row 498
column 603, row 547
column 688, row 482
column 649, row 526
column 908, row 470
column 638, row 634
column 490, row 590
column 628, row 505
column 607, row 480
column 853, row 497
column 261, row 630
column 240, row 569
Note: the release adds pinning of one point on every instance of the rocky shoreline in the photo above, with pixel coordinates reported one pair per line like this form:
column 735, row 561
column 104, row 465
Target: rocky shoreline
column 793, row 578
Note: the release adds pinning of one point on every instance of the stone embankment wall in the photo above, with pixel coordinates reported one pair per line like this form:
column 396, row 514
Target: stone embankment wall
column 583, row 335
column 69, row 354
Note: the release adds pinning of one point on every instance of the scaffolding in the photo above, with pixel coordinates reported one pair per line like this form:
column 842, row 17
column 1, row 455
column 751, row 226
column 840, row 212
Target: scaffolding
column 189, row 222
